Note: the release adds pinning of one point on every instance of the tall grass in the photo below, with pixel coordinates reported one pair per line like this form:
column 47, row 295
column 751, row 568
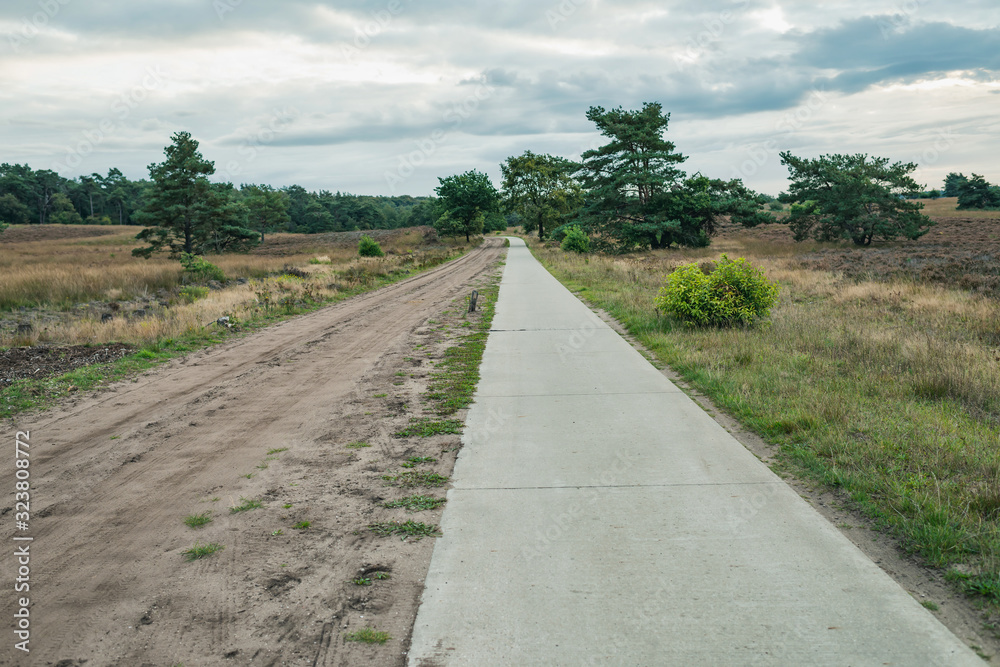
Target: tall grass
column 47, row 276
column 65, row 272
column 890, row 391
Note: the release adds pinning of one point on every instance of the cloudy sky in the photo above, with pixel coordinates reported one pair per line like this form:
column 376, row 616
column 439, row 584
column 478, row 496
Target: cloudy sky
column 383, row 97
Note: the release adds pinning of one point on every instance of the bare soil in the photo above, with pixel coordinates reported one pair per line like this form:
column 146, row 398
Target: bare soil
column 115, row 473
column 39, row 362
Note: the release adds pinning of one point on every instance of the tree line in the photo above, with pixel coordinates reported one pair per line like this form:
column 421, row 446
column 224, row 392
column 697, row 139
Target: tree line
column 632, row 194
column 42, row 196
column 629, row 194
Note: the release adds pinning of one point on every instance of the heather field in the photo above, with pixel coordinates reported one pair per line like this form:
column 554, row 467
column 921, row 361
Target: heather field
column 961, row 250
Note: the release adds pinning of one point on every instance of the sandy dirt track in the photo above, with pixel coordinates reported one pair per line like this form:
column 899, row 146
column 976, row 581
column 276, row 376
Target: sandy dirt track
column 115, row 473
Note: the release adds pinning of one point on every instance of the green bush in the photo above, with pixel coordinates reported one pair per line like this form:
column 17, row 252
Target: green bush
column 196, row 269
column 191, row 293
column 735, row 292
column 368, row 247
column 575, row 240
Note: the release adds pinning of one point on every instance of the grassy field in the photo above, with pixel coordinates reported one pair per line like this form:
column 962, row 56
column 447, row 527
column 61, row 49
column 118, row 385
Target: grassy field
column 884, row 386
column 61, row 280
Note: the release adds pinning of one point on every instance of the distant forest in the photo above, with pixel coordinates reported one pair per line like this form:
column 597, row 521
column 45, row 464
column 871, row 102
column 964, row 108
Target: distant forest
column 42, row 196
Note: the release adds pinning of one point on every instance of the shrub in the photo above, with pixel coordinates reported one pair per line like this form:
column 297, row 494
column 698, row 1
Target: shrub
column 369, row 247
column 575, row 240
column 197, row 269
column 735, row 292
column 191, row 293
column 559, row 233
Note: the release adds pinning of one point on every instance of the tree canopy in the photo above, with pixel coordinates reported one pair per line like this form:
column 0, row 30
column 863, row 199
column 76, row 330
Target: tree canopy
column 976, row 193
column 638, row 197
column 952, row 183
column 266, row 208
column 467, row 202
column 185, row 213
column 853, row 197
column 541, row 190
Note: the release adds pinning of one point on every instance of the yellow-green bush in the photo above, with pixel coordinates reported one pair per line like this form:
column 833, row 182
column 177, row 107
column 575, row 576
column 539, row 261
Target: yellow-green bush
column 735, row 292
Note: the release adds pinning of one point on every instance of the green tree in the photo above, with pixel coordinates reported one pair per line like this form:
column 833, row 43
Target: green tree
column 952, row 183
column 266, row 208
column 318, row 219
column 183, row 211
column 976, row 193
column 13, row 211
column 853, row 197
column 466, row 200
column 226, row 230
column 62, row 211
column 541, row 190
column 638, row 197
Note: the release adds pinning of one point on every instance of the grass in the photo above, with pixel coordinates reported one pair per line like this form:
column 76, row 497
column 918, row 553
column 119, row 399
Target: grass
column 886, row 390
column 198, row 520
column 413, row 461
column 407, row 528
column 368, row 636
column 276, row 451
column 302, row 525
column 425, row 428
column 413, row 478
column 246, row 504
column 199, row 551
column 927, row 604
column 416, row 503
column 357, row 445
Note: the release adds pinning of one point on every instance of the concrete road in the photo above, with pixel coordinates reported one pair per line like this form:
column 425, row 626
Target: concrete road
column 600, row 517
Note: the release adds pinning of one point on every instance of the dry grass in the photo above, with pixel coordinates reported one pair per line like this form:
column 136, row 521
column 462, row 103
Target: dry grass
column 947, row 207
column 63, row 285
column 888, row 388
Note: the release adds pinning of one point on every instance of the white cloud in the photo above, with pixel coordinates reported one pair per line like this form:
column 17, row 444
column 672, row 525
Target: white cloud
column 371, row 82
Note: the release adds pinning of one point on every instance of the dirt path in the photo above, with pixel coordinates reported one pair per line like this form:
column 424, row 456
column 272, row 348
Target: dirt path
column 115, row 473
